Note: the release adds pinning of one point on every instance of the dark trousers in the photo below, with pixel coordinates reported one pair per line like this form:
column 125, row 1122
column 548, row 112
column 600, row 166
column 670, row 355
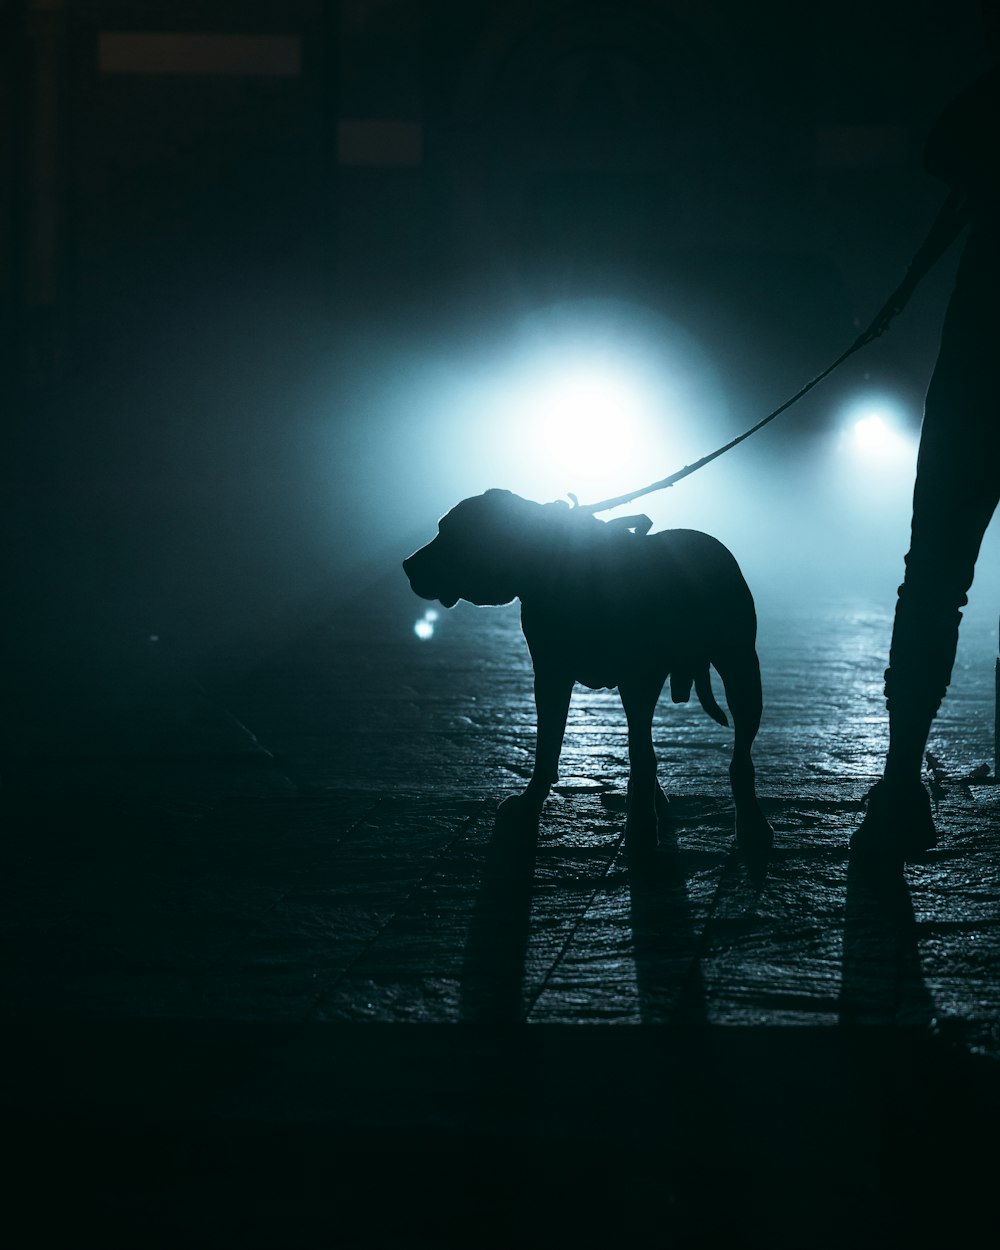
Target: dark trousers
column 956, row 492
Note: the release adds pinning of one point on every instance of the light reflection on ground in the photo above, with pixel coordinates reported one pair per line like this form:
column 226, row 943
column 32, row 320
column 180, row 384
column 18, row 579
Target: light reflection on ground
column 822, row 668
column 488, row 922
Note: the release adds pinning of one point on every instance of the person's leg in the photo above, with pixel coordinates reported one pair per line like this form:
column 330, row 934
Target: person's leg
column 955, row 494
column 898, row 820
column 945, row 539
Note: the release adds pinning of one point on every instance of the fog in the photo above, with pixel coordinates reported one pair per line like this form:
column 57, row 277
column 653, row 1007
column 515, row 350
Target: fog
column 257, row 464
column 272, row 374
column 815, row 505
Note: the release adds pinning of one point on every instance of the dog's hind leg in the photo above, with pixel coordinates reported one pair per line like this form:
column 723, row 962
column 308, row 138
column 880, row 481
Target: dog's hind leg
column 552, row 695
column 662, row 805
column 740, row 673
column 645, row 799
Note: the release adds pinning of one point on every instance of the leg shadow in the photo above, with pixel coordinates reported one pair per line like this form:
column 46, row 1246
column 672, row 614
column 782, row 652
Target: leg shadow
column 666, row 945
column 882, row 981
column 492, row 990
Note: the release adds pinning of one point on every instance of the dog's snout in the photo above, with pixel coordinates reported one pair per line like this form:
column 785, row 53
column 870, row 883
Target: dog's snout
column 414, row 566
column 420, row 577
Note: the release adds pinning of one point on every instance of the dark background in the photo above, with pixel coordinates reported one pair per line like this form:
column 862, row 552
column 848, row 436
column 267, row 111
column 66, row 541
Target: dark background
column 252, row 256
column 226, row 264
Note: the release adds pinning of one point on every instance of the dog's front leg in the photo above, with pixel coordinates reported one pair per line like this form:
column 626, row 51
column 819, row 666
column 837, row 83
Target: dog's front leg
column 552, row 695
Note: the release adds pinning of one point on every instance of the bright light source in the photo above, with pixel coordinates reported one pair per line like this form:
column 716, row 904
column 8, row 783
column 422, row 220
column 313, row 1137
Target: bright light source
column 873, row 435
column 588, row 420
column 877, row 434
column 874, row 478
column 877, row 438
column 593, row 397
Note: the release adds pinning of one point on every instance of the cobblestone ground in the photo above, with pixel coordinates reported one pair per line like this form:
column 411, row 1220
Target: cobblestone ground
column 217, row 884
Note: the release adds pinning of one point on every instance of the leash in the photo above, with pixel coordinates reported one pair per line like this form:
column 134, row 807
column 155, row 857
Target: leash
column 947, row 226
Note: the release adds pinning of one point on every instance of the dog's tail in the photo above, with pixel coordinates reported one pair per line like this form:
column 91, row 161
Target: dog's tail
column 703, row 689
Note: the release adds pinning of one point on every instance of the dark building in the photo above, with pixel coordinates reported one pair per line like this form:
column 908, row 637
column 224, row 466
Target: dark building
column 548, row 147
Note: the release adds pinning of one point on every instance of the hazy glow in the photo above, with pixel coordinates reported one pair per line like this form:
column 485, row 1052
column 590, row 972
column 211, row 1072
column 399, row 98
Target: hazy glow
column 872, row 434
column 589, row 421
column 872, row 481
column 590, row 397
column 878, row 438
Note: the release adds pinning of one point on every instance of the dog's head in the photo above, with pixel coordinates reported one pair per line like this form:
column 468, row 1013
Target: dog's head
column 483, row 551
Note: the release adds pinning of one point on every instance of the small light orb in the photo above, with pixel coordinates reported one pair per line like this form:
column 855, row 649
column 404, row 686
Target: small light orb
column 431, row 614
column 424, row 629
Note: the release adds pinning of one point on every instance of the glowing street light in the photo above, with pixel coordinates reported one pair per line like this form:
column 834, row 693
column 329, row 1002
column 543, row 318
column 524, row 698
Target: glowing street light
column 877, row 435
column 588, row 420
column 873, row 436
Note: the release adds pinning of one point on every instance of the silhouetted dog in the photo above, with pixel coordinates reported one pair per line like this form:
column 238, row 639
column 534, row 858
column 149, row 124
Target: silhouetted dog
column 606, row 604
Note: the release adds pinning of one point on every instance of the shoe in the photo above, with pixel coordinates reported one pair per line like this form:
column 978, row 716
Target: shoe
column 898, row 824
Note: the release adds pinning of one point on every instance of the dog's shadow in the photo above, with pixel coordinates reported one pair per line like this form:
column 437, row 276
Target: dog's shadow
column 492, row 989
column 664, row 937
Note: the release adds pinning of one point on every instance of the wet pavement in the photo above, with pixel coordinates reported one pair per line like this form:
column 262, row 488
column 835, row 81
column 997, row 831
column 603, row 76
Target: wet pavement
column 276, row 976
